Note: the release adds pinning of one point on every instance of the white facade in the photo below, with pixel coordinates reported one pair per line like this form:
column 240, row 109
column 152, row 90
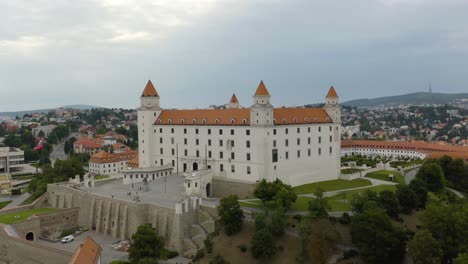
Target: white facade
column 372, row 152
column 47, row 129
column 109, row 168
column 11, row 159
column 291, row 144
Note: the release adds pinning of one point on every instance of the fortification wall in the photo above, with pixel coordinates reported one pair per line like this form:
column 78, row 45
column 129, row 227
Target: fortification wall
column 118, row 218
column 19, row 251
column 224, row 187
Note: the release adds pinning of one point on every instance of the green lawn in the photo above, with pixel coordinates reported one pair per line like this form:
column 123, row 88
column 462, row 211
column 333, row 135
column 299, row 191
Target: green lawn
column 336, row 202
column 350, row 171
column 3, row 204
column 100, row 177
column 332, row 185
column 24, row 215
column 383, row 175
column 29, row 200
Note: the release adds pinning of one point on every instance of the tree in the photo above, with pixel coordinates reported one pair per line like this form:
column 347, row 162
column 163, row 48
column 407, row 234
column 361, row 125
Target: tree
column 318, row 206
column 420, row 189
column 407, row 198
column 388, row 201
column 363, row 201
column 262, row 244
column 279, row 221
column 424, row 248
column 449, row 226
column 432, row 174
column 144, row 244
column 378, row 240
column 231, row 214
column 461, row 259
column 285, row 195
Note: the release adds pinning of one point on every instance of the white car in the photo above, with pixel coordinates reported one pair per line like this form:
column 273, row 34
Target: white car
column 68, row 239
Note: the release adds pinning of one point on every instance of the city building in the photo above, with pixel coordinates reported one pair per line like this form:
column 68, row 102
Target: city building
column 47, row 129
column 86, row 145
column 411, row 149
column 104, row 163
column 296, row 145
column 11, row 159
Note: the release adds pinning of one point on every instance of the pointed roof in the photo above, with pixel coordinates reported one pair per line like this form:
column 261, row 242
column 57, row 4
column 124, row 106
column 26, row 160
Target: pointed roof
column 332, row 92
column 261, row 90
column 234, row 99
column 150, row 90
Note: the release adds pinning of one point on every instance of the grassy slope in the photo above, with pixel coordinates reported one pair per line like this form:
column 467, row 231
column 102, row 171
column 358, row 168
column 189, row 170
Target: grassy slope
column 332, row 185
column 383, row 175
column 3, row 204
column 24, row 215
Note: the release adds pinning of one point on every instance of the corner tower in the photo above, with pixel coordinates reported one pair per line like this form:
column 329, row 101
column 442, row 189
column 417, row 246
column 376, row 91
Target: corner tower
column 332, row 106
column 148, row 112
column 233, row 103
column 261, row 112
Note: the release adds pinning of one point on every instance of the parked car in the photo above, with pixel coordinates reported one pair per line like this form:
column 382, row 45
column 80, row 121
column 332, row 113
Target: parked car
column 68, row 239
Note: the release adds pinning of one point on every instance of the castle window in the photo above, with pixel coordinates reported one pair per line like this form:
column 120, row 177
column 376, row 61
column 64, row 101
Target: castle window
column 196, row 131
column 185, row 141
column 286, row 155
column 295, row 120
column 233, row 169
column 247, row 132
column 274, row 131
column 331, row 150
column 217, row 121
column 169, row 121
column 298, row 141
column 320, row 129
column 233, row 155
column 308, row 152
column 160, row 130
column 232, row 143
column 286, row 131
column 220, row 154
column 198, row 153
column 194, row 121
column 209, row 142
column 197, row 142
column 286, row 142
column 248, row 170
column 204, row 121
column 185, row 152
column 248, row 143
column 221, row 167
column 319, row 151
column 331, row 137
column 233, row 121
column 172, row 129
column 220, row 131
column 209, row 154
column 244, row 121
column 185, row 131
column 220, row 142
column 298, row 154
column 274, row 143
column 306, row 119
column 308, row 129
column 160, row 140
column 232, row 131
column 248, row 156
column 298, row 130
column 308, row 140
column 209, row 131
column 182, row 121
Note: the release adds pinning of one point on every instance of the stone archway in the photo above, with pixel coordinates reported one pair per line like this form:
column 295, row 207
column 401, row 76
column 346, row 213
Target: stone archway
column 30, row 236
column 194, row 166
column 208, row 190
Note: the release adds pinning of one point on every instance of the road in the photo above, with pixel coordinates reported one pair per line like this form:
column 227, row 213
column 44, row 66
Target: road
column 58, row 151
column 412, row 174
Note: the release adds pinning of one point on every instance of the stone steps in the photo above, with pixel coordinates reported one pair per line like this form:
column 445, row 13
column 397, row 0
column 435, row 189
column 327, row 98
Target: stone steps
column 206, row 220
column 190, row 249
column 199, row 239
column 208, row 226
column 196, row 229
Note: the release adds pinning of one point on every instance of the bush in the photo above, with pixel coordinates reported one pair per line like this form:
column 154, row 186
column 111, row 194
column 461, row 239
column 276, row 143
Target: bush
column 208, row 245
column 242, row 247
column 119, row 262
column 262, row 244
column 168, row 254
column 345, row 219
column 15, row 191
column 70, row 231
column 297, row 217
column 200, row 254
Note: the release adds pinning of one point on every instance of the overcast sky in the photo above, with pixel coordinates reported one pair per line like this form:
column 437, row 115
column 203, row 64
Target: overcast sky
column 198, row 52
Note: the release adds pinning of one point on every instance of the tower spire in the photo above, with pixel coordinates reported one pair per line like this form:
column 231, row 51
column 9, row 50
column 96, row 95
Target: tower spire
column 149, row 90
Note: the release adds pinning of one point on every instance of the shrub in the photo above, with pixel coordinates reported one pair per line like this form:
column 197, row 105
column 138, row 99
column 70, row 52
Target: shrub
column 208, row 245
column 297, row 217
column 242, row 247
column 200, row 254
column 345, row 219
column 350, row 254
column 15, row 191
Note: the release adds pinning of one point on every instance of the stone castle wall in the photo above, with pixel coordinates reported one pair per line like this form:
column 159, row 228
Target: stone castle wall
column 224, row 187
column 118, row 218
column 20, row 251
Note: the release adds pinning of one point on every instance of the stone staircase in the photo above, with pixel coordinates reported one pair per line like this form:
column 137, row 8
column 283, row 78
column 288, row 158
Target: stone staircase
column 198, row 233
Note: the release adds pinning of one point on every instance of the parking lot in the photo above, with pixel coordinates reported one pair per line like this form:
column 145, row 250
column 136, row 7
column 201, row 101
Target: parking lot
column 108, row 254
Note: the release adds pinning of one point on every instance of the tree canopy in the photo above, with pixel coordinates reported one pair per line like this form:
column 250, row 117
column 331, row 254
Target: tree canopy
column 145, row 245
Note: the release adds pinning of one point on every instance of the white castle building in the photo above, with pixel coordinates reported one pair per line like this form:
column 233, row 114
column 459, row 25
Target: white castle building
column 295, row 145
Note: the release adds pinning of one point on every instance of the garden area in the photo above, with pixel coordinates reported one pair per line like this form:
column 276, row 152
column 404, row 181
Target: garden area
column 383, row 175
column 23, row 215
column 332, row 185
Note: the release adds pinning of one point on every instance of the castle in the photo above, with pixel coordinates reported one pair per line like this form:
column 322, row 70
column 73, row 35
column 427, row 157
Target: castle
column 248, row 144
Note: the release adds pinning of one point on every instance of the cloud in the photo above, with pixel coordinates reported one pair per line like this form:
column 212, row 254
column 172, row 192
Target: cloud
column 24, row 46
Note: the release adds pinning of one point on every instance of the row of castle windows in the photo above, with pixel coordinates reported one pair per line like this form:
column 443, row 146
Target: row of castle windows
column 247, row 131
column 244, row 121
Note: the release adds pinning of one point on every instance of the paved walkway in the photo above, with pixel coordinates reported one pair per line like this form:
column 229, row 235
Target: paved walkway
column 457, row 193
column 17, row 200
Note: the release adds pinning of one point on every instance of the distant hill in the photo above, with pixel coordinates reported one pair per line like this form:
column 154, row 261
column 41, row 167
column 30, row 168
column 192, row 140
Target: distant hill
column 21, row 113
column 412, row 98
